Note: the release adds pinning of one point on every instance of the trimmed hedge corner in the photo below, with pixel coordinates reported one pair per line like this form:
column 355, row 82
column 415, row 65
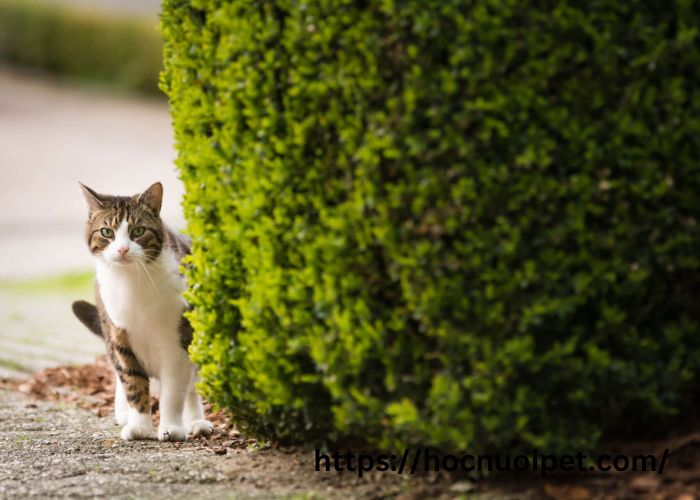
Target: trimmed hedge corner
column 123, row 50
column 463, row 224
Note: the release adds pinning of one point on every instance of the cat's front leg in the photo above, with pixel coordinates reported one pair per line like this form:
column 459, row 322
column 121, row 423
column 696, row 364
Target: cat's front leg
column 175, row 379
column 121, row 405
column 195, row 422
column 135, row 386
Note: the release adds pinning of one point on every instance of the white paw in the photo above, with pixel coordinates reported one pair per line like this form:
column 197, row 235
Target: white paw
column 171, row 433
column 200, row 428
column 132, row 432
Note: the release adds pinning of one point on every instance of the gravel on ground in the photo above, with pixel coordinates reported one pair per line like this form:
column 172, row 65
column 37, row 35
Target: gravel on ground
column 54, row 449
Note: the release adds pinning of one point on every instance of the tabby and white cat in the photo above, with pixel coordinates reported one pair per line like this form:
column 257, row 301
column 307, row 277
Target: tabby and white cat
column 138, row 291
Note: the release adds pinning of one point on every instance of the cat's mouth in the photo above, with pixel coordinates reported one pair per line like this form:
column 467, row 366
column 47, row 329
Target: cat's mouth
column 123, row 261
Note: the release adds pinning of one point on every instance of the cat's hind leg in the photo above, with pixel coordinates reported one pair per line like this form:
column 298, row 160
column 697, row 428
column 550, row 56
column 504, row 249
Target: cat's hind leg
column 195, row 423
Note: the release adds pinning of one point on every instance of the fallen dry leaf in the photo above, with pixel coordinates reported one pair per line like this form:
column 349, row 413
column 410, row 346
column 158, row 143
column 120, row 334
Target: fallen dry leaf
column 566, row 492
column 645, row 483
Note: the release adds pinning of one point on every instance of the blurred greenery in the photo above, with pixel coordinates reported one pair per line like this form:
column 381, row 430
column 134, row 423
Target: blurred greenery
column 78, row 42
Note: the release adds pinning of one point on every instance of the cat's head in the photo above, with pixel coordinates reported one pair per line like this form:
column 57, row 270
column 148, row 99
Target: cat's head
column 124, row 229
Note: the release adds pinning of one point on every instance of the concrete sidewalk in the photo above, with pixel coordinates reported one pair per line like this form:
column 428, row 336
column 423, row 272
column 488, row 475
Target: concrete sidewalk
column 54, row 450
column 146, row 8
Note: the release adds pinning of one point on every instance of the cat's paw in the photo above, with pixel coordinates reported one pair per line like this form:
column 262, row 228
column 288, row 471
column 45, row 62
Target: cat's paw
column 171, row 433
column 133, row 432
column 200, row 428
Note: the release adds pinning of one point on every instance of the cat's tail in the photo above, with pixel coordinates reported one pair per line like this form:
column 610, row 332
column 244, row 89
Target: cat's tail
column 88, row 316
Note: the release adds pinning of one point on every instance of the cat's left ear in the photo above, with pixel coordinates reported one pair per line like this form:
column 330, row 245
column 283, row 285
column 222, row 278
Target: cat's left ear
column 94, row 200
column 153, row 197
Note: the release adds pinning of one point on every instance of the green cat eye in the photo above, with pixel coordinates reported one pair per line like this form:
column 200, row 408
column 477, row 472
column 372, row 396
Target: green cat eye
column 107, row 232
column 137, row 231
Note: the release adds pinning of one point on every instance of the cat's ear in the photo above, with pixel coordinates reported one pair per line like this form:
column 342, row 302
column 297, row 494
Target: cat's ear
column 94, row 200
column 153, row 197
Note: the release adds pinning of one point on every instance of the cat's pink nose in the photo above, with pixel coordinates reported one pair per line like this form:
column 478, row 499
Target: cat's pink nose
column 123, row 251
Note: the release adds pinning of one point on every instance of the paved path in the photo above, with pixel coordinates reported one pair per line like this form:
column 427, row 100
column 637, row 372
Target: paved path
column 140, row 7
column 38, row 330
column 54, row 450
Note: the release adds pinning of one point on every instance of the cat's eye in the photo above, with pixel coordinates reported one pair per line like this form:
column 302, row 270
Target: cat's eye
column 107, row 232
column 137, row 231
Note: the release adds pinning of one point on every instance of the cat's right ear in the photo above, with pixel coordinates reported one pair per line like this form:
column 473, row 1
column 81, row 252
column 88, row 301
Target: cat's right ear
column 94, row 200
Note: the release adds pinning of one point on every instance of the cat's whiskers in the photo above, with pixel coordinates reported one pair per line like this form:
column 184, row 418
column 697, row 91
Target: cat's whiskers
column 139, row 266
column 155, row 288
column 138, row 272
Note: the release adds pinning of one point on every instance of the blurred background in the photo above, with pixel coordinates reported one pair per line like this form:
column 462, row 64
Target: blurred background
column 79, row 101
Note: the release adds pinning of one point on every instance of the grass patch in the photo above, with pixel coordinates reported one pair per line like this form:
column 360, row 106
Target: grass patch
column 22, row 438
column 12, row 365
column 73, row 282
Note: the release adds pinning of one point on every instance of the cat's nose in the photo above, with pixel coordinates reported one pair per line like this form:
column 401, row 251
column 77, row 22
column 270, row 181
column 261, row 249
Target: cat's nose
column 123, row 251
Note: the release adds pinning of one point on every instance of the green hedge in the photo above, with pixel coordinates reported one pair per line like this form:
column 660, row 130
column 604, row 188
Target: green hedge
column 466, row 224
column 77, row 42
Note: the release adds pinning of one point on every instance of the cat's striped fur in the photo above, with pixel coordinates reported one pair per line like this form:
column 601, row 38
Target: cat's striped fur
column 139, row 312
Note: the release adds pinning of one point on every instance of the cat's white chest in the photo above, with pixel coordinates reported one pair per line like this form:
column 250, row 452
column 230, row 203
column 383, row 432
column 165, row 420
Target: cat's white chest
column 147, row 303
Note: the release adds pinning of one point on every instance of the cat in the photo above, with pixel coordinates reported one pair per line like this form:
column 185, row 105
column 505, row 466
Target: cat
column 139, row 313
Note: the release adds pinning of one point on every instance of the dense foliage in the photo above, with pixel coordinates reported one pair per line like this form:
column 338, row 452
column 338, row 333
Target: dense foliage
column 82, row 43
column 468, row 224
